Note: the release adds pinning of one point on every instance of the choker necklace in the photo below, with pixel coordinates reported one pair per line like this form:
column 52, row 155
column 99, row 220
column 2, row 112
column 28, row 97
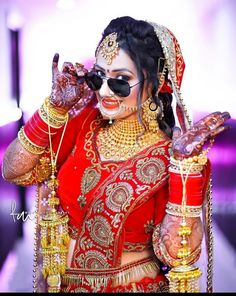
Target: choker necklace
column 123, row 139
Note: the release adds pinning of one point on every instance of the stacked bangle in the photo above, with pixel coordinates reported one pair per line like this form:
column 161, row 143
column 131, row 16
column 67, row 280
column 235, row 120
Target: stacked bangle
column 34, row 135
column 28, row 144
column 51, row 116
column 193, row 189
column 186, row 186
column 193, row 164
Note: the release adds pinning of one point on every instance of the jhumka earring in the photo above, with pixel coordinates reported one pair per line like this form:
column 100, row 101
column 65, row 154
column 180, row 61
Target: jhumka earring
column 150, row 111
column 109, row 47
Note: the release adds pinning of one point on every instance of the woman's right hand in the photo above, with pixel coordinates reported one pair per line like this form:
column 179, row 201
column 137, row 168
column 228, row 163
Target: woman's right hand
column 67, row 85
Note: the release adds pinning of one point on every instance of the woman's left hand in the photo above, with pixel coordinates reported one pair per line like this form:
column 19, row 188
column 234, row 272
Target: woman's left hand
column 191, row 142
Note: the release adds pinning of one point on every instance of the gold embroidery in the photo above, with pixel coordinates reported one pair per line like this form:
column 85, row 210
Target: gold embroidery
column 126, row 175
column 92, row 174
column 149, row 226
column 149, row 170
column 100, row 231
column 119, row 196
column 89, row 181
column 92, row 259
column 115, row 219
column 97, row 280
column 136, row 247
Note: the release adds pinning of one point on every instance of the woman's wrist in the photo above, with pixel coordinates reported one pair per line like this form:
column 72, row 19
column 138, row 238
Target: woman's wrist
column 34, row 135
column 193, row 189
column 177, row 210
column 56, row 110
column 191, row 165
column 52, row 116
column 186, row 184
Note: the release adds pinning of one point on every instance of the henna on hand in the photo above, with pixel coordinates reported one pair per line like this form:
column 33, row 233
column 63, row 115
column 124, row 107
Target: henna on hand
column 172, row 240
column 192, row 141
column 67, row 85
column 17, row 161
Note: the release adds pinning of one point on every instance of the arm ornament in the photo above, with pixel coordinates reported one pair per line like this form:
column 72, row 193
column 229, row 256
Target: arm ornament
column 176, row 210
column 34, row 135
column 40, row 173
column 186, row 186
column 164, row 256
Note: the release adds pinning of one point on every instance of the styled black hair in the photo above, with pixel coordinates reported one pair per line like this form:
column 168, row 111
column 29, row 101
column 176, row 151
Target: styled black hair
column 138, row 39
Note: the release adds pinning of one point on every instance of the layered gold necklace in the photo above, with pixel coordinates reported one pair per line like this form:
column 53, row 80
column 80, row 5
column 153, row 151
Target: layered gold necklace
column 123, row 139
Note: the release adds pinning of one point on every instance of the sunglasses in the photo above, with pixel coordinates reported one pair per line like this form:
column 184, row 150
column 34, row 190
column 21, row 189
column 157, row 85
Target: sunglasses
column 120, row 87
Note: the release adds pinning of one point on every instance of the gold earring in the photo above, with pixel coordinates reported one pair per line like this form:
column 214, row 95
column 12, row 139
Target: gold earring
column 150, row 112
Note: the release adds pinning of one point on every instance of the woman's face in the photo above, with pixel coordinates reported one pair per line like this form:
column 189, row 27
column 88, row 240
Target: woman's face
column 113, row 106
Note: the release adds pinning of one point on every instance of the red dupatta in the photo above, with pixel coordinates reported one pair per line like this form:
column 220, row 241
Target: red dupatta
column 99, row 244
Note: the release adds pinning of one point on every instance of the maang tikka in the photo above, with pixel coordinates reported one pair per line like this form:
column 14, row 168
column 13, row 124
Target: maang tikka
column 109, row 47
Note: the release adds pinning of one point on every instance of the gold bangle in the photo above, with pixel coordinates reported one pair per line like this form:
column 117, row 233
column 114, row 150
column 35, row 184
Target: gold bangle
column 27, row 144
column 177, row 210
column 52, row 111
column 53, row 121
column 185, row 164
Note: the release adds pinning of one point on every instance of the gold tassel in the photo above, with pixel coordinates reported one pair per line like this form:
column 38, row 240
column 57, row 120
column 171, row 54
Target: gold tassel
column 54, row 242
column 184, row 278
column 54, row 231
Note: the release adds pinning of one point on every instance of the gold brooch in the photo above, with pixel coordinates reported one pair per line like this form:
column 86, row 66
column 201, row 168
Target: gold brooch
column 109, row 47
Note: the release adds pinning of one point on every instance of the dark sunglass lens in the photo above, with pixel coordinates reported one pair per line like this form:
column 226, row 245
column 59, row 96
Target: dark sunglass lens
column 93, row 81
column 119, row 87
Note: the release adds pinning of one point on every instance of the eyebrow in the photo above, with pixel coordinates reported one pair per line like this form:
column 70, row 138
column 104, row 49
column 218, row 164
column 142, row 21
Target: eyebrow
column 116, row 70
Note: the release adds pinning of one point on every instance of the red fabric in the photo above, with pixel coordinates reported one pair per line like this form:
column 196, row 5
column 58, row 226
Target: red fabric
column 115, row 182
column 70, row 175
column 166, row 87
column 136, row 228
column 179, row 71
column 73, row 130
column 179, row 63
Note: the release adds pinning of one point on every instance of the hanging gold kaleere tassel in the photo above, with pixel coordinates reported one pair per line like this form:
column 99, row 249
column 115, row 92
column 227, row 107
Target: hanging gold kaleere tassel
column 54, row 231
column 184, row 278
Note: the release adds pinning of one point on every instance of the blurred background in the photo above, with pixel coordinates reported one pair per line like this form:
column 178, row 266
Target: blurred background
column 31, row 31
